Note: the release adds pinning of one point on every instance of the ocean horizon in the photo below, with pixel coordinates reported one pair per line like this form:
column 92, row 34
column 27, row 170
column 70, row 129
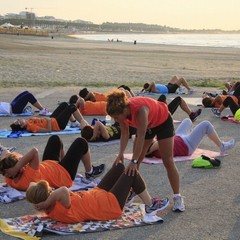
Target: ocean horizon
column 201, row 40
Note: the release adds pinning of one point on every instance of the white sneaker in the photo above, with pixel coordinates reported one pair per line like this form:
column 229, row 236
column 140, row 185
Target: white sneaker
column 45, row 112
column 178, row 204
column 74, row 124
column 227, row 145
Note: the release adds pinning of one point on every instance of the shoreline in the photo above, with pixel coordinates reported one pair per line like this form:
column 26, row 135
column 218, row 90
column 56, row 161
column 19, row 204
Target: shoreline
column 61, row 61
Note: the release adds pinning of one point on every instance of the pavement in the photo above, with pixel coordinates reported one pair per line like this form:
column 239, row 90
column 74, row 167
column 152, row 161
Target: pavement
column 212, row 196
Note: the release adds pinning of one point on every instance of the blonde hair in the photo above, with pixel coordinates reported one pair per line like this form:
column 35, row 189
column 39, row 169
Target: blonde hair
column 8, row 161
column 38, row 192
column 117, row 101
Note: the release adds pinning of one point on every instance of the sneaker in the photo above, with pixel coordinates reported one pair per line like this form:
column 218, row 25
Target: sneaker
column 74, row 124
column 191, row 91
column 130, row 198
column 11, row 149
column 193, row 116
column 45, row 112
column 27, row 109
column 216, row 112
column 227, row 145
column 157, row 205
column 178, row 204
column 97, row 171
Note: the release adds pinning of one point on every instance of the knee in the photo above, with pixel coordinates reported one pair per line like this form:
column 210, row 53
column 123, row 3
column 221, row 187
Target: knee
column 82, row 144
column 55, row 139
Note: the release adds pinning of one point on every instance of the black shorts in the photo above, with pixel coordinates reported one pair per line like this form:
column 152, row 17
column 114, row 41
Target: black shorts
column 172, row 87
column 164, row 130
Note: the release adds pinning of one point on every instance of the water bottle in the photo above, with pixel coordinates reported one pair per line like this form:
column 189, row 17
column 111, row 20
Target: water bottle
column 108, row 120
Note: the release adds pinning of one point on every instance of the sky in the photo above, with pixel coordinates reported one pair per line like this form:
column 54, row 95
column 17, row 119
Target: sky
column 184, row 14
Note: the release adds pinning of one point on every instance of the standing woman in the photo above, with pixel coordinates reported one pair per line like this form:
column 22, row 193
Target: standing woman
column 151, row 118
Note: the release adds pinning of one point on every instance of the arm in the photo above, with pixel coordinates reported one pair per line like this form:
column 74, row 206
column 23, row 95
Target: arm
column 123, row 142
column 31, row 158
column 49, row 127
column 61, row 194
column 90, row 97
column 99, row 130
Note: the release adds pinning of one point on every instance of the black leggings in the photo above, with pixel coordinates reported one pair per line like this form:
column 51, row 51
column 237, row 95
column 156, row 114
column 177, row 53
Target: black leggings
column 62, row 114
column 118, row 183
column 174, row 104
column 228, row 102
column 73, row 156
column 237, row 93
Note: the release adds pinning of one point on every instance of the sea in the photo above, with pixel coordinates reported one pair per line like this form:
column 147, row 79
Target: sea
column 203, row 40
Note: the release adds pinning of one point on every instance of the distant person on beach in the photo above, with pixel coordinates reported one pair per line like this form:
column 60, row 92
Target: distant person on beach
column 216, row 102
column 100, row 132
column 101, row 203
column 171, row 87
column 150, row 118
column 180, row 102
column 57, row 168
column 187, row 139
column 57, row 121
column 19, row 104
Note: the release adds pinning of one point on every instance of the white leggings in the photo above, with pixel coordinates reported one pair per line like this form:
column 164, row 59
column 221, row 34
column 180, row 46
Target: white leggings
column 193, row 137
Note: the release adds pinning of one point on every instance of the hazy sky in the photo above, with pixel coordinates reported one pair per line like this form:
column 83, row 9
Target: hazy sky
column 185, row 14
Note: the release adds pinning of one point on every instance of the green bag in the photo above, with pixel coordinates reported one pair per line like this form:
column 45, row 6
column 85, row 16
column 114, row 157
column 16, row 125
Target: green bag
column 206, row 162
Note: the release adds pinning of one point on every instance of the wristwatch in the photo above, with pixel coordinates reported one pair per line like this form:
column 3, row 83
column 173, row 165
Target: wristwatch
column 135, row 161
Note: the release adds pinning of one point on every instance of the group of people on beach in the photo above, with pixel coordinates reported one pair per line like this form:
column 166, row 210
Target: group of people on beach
column 150, row 121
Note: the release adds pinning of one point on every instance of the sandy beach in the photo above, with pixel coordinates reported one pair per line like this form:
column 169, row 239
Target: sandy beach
column 29, row 60
column 54, row 69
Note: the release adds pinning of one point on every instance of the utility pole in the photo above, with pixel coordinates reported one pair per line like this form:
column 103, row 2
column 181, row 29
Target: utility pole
column 32, row 15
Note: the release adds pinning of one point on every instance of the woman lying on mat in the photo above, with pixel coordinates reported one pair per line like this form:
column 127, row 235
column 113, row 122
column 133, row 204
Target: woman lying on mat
column 19, row 103
column 234, row 107
column 104, row 202
column 187, row 139
column 171, row 87
column 180, row 102
column 216, row 102
column 56, row 122
column 96, row 96
column 88, row 107
column 100, row 132
column 56, row 168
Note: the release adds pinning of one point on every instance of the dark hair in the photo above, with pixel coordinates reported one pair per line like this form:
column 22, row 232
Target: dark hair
column 8, row 162
column 146, row 85
column 162, row 98
column 87, row 132
column 73, row 99
column 125, row 87
column 207, row 102
column 16, row 127
column 83, row 93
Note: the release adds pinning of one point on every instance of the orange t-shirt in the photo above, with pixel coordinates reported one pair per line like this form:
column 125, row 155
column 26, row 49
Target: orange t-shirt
column 94, row 108
column 223, row 97
column 51, row 171
column 158, row 111
column 95, row 204
column 100, row 96
column 33, row 124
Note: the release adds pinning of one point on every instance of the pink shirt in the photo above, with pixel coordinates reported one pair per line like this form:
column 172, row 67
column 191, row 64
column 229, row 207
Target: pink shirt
column 158, row 111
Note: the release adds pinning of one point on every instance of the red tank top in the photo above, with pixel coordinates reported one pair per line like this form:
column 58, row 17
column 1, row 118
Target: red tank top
column 158, row 111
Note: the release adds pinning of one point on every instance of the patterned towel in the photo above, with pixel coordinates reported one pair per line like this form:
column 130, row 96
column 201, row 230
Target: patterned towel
column 34, row 226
